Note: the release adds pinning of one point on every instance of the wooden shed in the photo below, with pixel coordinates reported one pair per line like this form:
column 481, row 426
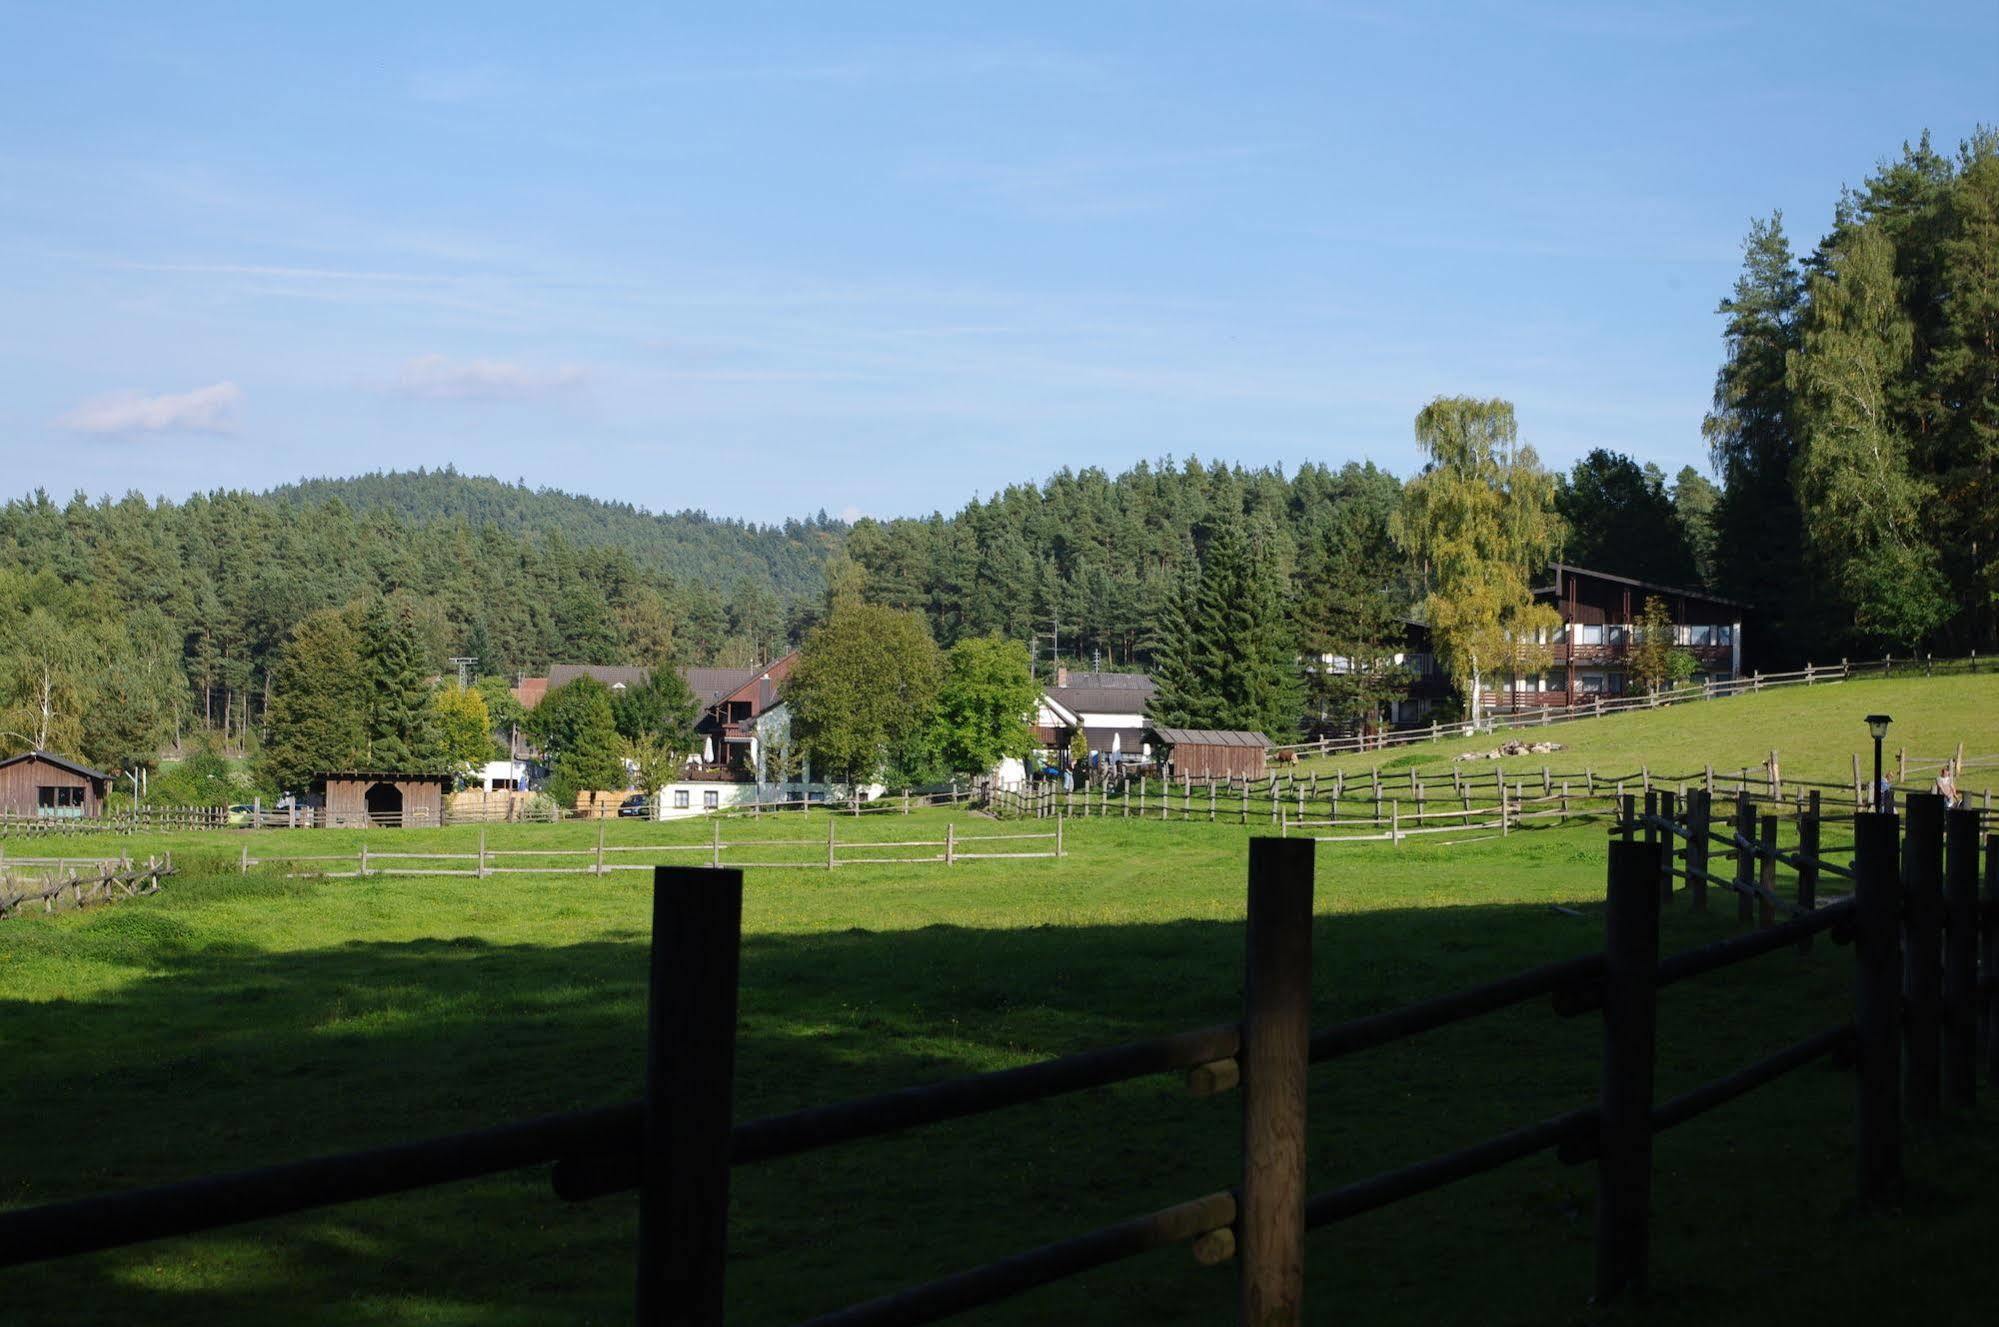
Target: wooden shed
column 1203, row 752
column 36, row 783
column 349, row 798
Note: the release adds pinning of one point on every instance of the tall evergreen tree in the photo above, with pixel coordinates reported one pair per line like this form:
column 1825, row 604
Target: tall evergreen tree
column 1350, row 628
column 319, row 702
column 400, row 727
column 1752, row 442
column 1620, row 520
column 1234, row 664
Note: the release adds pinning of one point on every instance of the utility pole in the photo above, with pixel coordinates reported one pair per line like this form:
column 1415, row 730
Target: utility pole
column 464, row 664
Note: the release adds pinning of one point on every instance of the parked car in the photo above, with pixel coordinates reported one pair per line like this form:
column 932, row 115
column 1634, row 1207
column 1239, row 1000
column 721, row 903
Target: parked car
column 635, row 807
column 240, row 816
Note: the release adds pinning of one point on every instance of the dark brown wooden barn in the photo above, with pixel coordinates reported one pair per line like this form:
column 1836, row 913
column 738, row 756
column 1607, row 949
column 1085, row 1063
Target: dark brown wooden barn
column 1200, row 753
column 36, row 783
column 350, row 798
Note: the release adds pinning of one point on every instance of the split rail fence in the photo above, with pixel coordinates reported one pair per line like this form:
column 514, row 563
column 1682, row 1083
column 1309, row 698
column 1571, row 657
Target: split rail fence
column 1401, row 804
column 1598, row 707
column 829, row 853
column 1924, row 950
column 77, row 882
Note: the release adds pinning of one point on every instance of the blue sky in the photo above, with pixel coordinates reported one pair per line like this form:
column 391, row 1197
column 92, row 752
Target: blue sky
column 879, row 258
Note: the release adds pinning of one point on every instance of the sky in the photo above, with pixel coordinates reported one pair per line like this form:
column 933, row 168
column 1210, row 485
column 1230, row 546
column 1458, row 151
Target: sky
column 767, row 260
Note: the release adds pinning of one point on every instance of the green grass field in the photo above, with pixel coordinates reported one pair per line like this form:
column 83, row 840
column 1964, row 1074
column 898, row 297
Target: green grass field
column 236, row 1021
column 1816, row 731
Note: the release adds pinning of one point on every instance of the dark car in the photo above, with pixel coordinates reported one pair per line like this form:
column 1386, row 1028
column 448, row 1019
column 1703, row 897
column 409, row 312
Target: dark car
column 635, row 807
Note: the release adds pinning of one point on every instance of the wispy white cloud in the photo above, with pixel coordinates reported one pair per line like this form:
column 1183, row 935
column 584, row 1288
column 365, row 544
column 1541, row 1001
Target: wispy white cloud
column 440, row 378
column 209, row 409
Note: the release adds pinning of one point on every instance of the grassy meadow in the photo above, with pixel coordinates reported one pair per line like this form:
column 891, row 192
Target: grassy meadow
column 240, row 1020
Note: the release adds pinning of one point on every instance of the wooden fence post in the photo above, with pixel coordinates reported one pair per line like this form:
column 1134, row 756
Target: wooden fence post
column 600, row 847
column 1877, row 1008
column 481, row 874
column 1808, row 863
column 1922, row 958
column 1669, row 845
column 950, row 844
column 832, row 823
column 364, row 858
column 1766, row 875
column 1960, row 969
column 697, row 929
column 1624, row 1104
column 715, row 844
column 1745, row 856
column 1989, row 944
column 1276, row 1037
column 1058, row 838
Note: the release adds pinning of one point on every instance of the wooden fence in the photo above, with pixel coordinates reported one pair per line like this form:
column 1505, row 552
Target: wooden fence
column 829, row 854
column 1397, row 804
column 1924, row 949
column 77, row 882
column 133, row 820
column 1599, row 706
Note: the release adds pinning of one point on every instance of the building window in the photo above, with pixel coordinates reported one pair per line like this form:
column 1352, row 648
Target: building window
column 680, row 799
column 1589, row 633
column 58, row 801
column 1724, row 635
column 1617, row 634
column 1590, row 684
column 710, row 798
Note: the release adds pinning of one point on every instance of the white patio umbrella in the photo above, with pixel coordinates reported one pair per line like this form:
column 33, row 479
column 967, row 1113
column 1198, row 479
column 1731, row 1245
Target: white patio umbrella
column 1117, row 744
column 708, row 750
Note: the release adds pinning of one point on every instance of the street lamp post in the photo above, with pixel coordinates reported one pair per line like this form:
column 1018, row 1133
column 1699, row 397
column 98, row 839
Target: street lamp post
column 1877, row 724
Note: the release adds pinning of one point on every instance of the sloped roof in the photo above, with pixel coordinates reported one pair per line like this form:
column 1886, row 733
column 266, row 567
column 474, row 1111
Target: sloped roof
column 60, row 762
column 611, row 675
column 1705, row 596
column 1210, row 737
column 1104, row 693
column 711, row 686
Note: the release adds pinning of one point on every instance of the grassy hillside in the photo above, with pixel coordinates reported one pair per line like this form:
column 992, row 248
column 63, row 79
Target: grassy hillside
column 1816, row 731
column 240, row 1020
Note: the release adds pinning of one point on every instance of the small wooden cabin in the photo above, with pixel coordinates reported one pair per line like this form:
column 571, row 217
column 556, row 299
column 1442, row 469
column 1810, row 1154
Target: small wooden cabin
column 1200, row 753
column 351, row 799
column 36, row 783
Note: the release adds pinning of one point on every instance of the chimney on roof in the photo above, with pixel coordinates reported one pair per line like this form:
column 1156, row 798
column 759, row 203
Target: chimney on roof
column 1061, row 676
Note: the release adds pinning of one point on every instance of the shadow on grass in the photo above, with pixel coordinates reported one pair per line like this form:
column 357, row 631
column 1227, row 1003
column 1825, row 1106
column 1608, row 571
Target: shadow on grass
column 226, row 1057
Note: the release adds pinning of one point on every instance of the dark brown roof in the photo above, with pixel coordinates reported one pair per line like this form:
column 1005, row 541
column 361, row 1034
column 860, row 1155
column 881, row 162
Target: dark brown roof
column 60, row 762
column 380, row 776
column 711, row 686
column 1209, row 737
column 611, row 675
column 1104, row 693
column 1683, row 592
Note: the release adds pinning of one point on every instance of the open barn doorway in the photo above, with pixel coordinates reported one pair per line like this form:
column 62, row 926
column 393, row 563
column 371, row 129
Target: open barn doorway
column 385, row 804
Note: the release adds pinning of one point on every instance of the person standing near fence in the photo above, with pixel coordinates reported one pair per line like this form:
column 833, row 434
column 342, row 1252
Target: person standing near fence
column 1946, row 786
column 1884, row 795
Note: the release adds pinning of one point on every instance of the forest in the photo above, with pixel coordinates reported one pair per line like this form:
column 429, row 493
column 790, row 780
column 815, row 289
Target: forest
column 1852, row 439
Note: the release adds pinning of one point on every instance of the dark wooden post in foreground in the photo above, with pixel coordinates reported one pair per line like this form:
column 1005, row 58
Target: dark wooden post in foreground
column 1922, row 956
column 697, row 927
column 1877, row 1007
column 1669, row 843
column 1989, row 945
column 1808, row 870
column 1624, row 1122
column 1699, row 805
column 1276, row 1045
column 1745, row 857
column 1960, row 966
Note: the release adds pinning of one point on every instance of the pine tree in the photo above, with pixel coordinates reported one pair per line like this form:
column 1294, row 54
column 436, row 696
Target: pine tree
column 1234, row 662
column 1752, row 443
column 319, row 702
column 1349, row 626
column 401, row 733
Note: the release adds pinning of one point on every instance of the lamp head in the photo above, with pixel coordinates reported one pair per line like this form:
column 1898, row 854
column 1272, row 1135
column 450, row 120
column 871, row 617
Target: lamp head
column 1877, row 724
